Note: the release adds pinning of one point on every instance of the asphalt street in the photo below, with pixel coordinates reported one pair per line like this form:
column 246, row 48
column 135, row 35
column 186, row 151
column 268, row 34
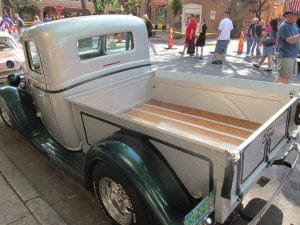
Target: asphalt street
column 35, row 191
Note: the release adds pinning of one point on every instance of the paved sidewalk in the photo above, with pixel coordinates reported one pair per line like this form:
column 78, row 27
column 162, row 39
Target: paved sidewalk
column 235, row 65
column 39, row 189
column 19, row 202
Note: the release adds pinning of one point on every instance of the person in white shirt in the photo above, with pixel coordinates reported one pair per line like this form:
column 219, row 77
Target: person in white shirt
column 224, row 32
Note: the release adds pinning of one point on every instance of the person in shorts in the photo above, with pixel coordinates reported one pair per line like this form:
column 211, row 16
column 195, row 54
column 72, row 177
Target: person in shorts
column 200, row 42
column 271, row 33
column 288, row 47
column 223, row 37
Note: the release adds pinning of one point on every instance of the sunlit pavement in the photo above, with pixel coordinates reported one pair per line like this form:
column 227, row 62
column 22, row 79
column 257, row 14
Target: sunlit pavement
column 235, row 65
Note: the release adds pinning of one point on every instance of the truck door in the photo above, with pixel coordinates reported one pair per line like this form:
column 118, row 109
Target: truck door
column 38, row 90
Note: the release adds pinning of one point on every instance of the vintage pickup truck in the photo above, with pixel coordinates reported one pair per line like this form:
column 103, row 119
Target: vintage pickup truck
column 157, row 147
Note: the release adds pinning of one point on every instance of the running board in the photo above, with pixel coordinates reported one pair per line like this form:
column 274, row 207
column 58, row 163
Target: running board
column 71, row 162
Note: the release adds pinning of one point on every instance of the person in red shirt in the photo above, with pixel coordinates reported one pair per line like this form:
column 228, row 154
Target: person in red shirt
column 190, row 32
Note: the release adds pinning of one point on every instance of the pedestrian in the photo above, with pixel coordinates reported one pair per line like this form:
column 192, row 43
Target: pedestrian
column 257, row 37
column 201, row 38
column 288, row 47
column 46, row 19
column 52, row 18
column 37, row 20
column 8, row 20
column 149, row 27
column 3, row 25
column 190, row 35
column 223, row 38
column 250, row 36
column 19, row 22
column 269, row 43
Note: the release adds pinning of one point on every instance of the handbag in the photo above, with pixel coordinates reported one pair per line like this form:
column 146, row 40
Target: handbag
column 191, row 49
column 270, row 39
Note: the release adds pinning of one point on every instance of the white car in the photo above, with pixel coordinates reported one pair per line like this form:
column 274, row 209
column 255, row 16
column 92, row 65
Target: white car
column 11, row 56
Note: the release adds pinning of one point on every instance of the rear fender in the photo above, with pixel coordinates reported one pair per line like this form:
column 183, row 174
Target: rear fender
column 149, row 174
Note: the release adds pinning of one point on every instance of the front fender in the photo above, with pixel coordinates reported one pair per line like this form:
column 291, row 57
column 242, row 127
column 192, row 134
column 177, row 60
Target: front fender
column 20, row 105
column 147, row 171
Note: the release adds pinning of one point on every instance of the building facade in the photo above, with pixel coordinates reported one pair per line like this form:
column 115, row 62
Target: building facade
column 162, row 15
column 51, row 7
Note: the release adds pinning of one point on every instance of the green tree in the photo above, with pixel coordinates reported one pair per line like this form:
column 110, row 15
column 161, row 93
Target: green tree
column 258, row 7
column 100, row 5
column 24, row 8
column 132, row 6
column 176, row 7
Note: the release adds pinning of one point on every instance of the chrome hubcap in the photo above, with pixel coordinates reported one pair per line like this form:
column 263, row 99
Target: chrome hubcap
column 116, row 201
column 5, row 113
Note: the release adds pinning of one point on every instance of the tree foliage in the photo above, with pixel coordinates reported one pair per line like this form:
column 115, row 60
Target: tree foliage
column 100, row 5
column 23, row 7
column 132, row 6
column 258, row 7
column 176, row 7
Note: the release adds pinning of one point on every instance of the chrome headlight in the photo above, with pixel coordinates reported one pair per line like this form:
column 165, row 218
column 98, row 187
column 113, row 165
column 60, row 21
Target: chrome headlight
column 10, row 64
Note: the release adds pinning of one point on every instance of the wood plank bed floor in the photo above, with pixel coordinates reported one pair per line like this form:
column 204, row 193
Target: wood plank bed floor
column 192, row 123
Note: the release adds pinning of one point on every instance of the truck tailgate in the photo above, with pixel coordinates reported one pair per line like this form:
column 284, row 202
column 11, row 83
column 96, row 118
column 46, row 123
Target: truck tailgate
column 262, row 146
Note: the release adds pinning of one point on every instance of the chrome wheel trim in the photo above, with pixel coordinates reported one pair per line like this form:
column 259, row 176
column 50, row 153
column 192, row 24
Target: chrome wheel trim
column 116, row 201
column 5, row 113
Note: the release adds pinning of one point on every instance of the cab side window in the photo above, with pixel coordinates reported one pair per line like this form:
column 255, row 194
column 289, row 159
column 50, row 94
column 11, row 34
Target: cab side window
column 109, row 44
column 33, row 57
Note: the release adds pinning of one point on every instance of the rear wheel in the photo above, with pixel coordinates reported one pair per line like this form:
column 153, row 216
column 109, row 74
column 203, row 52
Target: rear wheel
column 117, row 197
column 6, row 115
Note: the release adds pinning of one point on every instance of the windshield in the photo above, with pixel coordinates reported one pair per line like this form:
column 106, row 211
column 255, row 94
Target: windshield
column 6, row 43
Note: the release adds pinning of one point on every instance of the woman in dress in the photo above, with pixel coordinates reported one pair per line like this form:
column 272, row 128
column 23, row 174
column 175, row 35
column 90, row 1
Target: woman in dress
column 201, row 38
column 270, row 33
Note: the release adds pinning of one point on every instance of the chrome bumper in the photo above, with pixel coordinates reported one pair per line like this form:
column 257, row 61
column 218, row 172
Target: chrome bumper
column 281, row 161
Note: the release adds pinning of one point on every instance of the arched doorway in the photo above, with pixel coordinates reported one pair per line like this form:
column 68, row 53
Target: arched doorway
column 49, row 10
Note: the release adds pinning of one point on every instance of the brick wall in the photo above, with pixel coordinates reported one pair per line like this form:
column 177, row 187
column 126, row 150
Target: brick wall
column 207, row 6
column 64, row 3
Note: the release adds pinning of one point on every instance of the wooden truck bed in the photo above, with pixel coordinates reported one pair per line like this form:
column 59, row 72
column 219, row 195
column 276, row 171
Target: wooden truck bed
column 192, row 123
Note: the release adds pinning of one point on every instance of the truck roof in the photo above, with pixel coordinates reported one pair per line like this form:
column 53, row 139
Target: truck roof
column 87, row 25
column 57, row 43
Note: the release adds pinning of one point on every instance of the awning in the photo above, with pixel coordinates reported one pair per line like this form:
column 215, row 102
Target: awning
column 159, row 3
column 292, row 6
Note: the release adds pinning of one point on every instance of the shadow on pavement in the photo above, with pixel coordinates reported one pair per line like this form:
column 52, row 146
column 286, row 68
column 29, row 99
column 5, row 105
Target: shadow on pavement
column 273, row 216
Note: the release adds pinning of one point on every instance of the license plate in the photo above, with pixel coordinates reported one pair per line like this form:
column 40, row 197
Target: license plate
column 199, row 214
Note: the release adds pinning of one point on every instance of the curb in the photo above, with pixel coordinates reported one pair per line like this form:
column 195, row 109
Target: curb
column 22, row 188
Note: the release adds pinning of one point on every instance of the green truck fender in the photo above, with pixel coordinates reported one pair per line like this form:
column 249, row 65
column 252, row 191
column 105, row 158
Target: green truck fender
column 147, row 171
column 19, row 103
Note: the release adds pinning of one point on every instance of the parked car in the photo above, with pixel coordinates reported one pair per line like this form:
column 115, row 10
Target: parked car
column 11, row 56
column 157, row 147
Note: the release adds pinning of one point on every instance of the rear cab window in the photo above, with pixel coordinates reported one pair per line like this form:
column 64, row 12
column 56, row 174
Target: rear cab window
column 109, row 44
